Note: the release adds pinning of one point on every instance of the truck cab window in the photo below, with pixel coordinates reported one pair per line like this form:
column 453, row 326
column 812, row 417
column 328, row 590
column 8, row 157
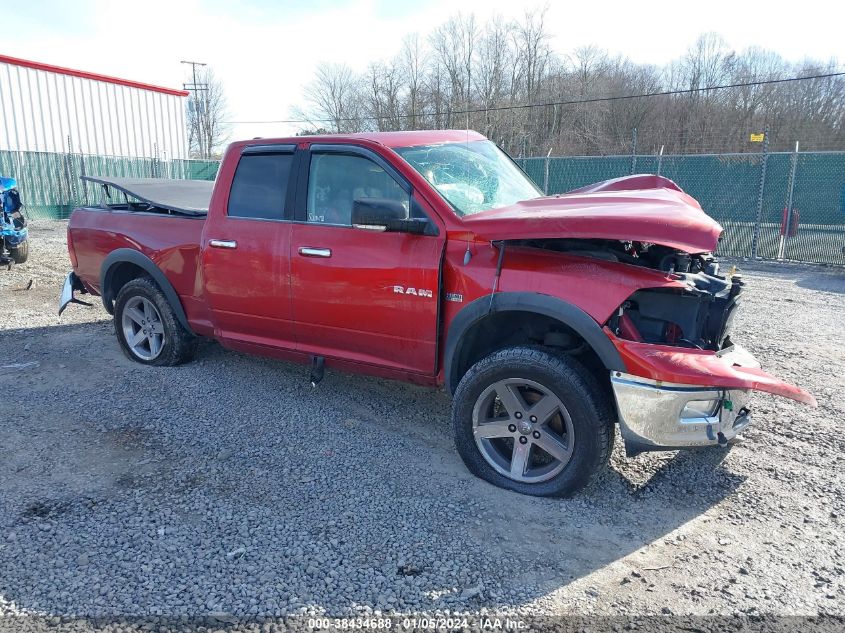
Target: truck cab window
column 336, row 180
column 260, row 186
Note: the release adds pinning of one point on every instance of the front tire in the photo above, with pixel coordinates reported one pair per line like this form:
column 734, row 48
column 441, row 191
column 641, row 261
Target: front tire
column 528, row 420
column 148, row 329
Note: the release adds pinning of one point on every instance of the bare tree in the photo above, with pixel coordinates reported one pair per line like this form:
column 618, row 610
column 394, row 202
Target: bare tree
column 504, row 79
column 411, row 65
column 454, row 44
column 382, row 96
column 493, row 66
column 589, row 67
column 206, row 116
column 535, row 54
column 333, row 98
column 706, row 64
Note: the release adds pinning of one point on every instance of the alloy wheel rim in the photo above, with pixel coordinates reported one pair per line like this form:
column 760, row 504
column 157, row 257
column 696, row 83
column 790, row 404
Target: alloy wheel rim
column 143, row 329
column 523, row 430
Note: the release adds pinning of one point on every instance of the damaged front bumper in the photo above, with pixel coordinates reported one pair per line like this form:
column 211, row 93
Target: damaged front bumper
column 656, row 415
column 702, row 402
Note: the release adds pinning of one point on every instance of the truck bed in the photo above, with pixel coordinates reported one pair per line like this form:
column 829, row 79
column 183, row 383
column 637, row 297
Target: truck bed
column 188, row 197
column 172, row 242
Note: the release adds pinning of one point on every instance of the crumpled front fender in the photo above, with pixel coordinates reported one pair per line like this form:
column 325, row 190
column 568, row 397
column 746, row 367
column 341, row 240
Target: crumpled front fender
column 737, row 369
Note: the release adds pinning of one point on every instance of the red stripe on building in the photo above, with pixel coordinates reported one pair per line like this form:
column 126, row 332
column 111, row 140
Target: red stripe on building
column 5, row 59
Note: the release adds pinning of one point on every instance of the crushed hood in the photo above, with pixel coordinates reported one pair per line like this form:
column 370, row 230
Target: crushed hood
column 640, row 208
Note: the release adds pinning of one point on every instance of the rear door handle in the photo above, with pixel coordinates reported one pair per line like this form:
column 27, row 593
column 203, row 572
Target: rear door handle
column 222, row 243
column 310, row 251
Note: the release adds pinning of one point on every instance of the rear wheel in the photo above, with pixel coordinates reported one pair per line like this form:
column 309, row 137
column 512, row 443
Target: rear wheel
column 19, row 253
column 147, row 328
column 531, row 421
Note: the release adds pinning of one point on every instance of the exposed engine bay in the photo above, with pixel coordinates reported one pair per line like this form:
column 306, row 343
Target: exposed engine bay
column 699, row 316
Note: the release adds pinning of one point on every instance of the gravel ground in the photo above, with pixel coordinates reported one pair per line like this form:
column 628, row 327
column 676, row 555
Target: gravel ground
column 230, row 487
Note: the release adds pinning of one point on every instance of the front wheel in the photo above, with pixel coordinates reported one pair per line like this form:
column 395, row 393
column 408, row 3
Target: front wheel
column 528, row 420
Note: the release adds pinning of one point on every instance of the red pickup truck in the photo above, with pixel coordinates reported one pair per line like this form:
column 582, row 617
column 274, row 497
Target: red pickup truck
column 431, row 257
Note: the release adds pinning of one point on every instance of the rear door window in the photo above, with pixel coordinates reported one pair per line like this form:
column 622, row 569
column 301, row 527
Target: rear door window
column 260, row 186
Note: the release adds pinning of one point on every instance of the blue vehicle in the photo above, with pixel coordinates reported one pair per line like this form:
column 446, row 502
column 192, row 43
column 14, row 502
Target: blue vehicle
column 14, row 247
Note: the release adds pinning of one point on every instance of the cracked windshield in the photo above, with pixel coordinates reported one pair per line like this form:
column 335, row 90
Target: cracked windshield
column 473, row 176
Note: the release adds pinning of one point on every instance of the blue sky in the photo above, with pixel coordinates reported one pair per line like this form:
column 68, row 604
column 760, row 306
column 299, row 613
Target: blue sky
column 265, row 51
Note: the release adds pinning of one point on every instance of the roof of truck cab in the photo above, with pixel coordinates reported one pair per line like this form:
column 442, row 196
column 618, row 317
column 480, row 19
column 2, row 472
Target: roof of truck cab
column 389, row 139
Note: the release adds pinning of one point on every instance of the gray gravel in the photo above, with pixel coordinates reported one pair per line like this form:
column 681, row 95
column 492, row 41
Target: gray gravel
column 231, row 487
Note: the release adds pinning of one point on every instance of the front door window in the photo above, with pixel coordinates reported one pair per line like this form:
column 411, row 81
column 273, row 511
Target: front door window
column 337, row 180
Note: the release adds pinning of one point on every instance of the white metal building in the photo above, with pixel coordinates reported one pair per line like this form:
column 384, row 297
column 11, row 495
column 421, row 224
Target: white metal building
column 47, row 108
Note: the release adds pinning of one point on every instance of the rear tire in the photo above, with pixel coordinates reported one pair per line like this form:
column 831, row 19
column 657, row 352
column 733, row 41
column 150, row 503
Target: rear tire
column 528, row 420
column 148, row 329
column 19, row 253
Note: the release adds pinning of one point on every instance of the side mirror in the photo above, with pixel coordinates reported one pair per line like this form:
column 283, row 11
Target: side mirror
column 383, row 214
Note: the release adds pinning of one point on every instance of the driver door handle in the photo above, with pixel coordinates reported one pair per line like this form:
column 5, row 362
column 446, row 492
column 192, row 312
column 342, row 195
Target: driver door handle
column 222, row 243
column 311, row 251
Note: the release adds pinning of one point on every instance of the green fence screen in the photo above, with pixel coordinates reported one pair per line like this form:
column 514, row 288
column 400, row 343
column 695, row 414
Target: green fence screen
column 793, row 202
column 51, row 187
column 773, row 206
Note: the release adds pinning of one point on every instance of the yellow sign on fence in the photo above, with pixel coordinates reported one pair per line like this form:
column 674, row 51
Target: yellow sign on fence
column 757, row 138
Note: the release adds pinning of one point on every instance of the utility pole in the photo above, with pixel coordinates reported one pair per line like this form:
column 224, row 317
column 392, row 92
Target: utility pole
column 196, row 121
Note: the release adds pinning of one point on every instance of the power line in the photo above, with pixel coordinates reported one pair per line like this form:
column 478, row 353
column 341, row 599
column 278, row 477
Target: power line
column 524, row 106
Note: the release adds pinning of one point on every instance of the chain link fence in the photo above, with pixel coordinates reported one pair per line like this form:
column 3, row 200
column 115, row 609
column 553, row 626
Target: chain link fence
column 51, row 186
column 778, row 205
